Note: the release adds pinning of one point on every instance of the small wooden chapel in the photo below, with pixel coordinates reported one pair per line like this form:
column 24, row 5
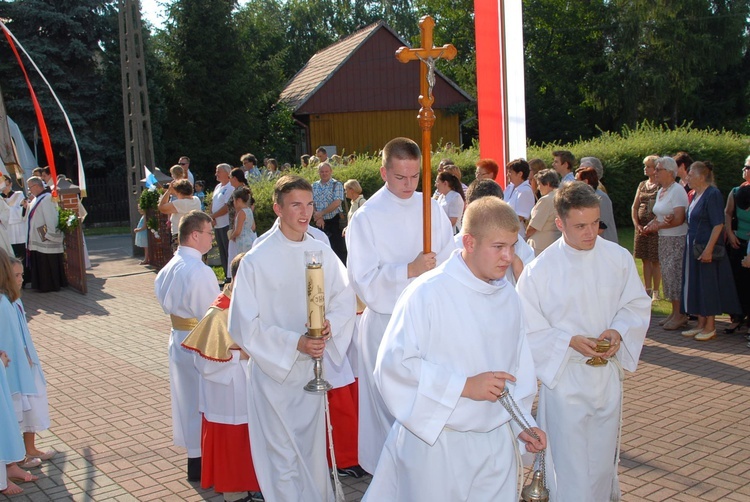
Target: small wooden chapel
column 354, row 96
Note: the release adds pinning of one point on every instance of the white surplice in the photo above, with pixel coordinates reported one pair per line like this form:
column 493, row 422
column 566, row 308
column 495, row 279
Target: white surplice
column 445, row 329
column 185, row 287
column 383, row 237
column 567, row 292
column 266, row 318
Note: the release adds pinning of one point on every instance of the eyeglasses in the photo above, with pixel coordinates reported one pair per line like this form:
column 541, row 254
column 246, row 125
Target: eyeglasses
column 183, row 163
column 206, row 232
column 657, row 169
column 746, row 168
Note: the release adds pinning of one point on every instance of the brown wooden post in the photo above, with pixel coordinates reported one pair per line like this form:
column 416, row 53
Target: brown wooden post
column 75, row 265
column 427, row 55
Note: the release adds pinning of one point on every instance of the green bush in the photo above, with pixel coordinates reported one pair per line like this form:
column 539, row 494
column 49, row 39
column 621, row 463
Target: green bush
column 621, row 154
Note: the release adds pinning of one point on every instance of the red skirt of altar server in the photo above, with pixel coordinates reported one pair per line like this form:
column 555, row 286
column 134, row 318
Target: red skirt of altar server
column 344, row 417
column 227, row 464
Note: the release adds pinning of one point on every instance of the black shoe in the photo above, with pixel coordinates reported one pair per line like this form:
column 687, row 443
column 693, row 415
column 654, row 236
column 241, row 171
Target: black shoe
column 735, row 325
column 354, row 471
column 194, row 469
column 251, row 497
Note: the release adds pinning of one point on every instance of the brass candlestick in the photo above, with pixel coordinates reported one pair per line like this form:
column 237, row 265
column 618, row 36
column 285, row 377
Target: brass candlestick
column 602, row 346
column 316, row 315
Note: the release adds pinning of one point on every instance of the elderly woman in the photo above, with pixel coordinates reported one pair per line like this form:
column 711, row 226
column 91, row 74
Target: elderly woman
column 646, row 246
column 737, row 226
column 607, row 216
column 451, row 198
column 542, row 230
column 669, row 210
column 707, row 283
column 487, row 169
column 353, row 192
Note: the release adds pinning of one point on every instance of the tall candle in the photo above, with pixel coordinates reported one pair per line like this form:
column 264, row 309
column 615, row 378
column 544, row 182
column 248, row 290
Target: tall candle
column 316, row 304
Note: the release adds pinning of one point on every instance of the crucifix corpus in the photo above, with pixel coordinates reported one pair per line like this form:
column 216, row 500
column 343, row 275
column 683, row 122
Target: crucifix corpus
column 428, row 55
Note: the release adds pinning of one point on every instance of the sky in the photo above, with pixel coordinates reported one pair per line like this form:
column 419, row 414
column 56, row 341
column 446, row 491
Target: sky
column 153, row 12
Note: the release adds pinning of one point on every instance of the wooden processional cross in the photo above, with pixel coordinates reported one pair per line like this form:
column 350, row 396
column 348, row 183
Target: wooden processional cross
column 428, row 55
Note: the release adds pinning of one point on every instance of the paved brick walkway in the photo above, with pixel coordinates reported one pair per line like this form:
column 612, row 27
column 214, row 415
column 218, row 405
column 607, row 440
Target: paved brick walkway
column 687, row 409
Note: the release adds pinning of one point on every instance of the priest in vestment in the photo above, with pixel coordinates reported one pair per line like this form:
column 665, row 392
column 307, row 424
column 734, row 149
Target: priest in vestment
column 442, row 365
column 579, row 288
column 185, row 288
column 45, row 241
column 227, row 464
column 267, row 320
column 384, row 239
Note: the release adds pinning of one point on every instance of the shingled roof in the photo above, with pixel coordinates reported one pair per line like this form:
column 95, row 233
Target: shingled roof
column 324, row 64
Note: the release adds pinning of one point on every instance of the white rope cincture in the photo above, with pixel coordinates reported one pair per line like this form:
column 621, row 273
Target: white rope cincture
column 338, row 488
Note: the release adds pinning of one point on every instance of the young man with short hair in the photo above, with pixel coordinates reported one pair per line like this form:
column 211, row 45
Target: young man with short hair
column 384, row 240
column 582, row 291
column 444, row 363
column 185, row 288
column 267, row 319
column 563, row 163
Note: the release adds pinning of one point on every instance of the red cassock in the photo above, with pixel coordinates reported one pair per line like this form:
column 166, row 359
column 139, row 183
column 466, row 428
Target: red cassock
column 227, row 464
column 344, row 417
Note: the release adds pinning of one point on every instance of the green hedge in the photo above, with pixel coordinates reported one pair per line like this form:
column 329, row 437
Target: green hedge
column 622, row 156
column 621, row 153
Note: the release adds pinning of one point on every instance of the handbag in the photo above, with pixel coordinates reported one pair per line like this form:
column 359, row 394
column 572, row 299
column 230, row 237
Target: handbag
column 718, row 253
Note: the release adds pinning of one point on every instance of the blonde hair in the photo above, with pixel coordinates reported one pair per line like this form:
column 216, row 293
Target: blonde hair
column 8, row 284
column 489, row 213
column 177, row 172
column 353, row 185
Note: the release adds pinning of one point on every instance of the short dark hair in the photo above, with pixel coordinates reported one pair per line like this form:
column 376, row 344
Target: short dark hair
column 305, row 159
column 46, row 171
column 588, row 175
column 401, row 149
column 201, row 183
column 192, row 222
column 286, row 184
column 242, row 193
column 239, row 175
column 183, row 187
column 250, row 158
column 566, row 157
column 519, row 166
column 548, row 177
column 574, row 195
column 483, row 188
column 322, row 150
column 453, row 182
column 684, row 159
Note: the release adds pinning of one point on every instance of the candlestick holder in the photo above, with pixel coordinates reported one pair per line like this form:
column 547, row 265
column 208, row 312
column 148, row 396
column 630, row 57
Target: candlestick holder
column 316, row 314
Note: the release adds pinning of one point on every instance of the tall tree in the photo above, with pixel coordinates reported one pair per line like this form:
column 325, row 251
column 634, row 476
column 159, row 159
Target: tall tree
column 207, row 95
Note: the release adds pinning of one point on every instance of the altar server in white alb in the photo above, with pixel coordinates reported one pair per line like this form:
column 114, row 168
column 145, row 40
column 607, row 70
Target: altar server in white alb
column 441, row 374
column 581, row 289
column 267, row 320
column 384, row 240
column 185, row 288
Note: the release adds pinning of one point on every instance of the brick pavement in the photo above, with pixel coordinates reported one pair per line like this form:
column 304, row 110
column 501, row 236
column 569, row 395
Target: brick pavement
column 687, row 410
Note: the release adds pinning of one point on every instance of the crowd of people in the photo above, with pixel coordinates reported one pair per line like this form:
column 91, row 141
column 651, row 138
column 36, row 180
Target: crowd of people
column 415, row 387
column 29, row 230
